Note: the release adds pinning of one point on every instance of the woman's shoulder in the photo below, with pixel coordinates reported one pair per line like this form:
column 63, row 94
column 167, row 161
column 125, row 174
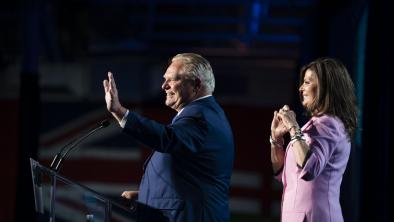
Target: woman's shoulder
column 329, row 124
column 327, row 120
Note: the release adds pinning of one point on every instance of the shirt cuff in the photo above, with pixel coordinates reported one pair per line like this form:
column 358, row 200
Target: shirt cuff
column 122, row 123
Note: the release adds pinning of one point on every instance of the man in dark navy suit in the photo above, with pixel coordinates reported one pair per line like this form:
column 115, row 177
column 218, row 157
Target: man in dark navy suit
column 187, row 177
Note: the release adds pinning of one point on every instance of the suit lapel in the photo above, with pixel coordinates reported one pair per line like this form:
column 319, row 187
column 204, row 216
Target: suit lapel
column 153, row 151
column 147, row 160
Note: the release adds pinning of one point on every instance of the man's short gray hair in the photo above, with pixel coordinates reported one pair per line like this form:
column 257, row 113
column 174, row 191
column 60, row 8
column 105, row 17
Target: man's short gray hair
column 197, row 67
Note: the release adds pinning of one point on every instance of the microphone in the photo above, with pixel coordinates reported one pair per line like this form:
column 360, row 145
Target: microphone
column 59, row 157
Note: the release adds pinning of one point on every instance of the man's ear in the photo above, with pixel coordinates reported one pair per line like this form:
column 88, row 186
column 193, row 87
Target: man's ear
column 197, row 84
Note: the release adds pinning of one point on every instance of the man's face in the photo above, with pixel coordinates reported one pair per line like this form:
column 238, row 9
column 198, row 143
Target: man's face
column 179, row 90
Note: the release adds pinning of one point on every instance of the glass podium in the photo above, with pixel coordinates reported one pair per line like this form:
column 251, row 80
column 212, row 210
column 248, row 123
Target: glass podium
column 60, row 199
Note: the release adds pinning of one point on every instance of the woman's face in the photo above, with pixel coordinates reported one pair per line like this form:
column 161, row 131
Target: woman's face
column 308, row 89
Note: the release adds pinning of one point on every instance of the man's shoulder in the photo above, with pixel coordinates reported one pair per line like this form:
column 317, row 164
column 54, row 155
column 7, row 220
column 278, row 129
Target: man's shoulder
column 205, row 105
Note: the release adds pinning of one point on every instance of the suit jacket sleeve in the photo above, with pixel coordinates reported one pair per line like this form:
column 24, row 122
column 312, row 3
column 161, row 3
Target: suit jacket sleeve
column 322, row 137
column 185, row 135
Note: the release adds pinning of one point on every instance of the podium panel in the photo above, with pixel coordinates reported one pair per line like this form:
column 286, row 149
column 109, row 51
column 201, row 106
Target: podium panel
column 60, row 199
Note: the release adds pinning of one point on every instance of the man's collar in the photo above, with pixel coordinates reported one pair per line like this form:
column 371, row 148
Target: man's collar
column 202, row 97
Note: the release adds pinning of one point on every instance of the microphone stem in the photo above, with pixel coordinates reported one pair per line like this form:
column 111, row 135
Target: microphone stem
column 59, row 163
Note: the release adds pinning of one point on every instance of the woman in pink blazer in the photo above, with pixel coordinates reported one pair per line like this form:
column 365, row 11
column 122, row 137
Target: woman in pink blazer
column 312, row 165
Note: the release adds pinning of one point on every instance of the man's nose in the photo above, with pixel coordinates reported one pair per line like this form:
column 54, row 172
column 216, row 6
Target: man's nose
column 164, row 86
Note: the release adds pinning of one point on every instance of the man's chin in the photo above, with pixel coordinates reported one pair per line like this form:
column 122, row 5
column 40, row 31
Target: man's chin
column 169, row 103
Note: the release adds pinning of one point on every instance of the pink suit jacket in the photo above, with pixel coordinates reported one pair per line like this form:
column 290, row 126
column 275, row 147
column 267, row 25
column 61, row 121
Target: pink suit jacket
column 312, row 193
